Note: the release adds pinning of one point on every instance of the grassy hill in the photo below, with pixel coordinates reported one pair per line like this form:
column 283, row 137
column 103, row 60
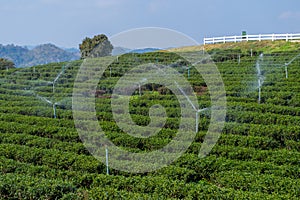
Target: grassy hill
column 256, row 157
column 264, row 46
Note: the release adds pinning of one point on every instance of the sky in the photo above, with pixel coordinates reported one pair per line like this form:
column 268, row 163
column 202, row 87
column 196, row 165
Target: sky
column 66, row 23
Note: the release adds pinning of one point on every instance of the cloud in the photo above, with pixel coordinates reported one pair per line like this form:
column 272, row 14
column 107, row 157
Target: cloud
column 289, row 15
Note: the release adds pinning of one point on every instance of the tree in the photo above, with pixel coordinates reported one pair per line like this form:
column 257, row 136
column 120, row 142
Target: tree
column 6, row 64
column 98, row 46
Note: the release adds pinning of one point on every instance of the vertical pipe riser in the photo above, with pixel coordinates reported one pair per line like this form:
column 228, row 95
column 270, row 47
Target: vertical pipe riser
column 197, row 122
column 106, row 159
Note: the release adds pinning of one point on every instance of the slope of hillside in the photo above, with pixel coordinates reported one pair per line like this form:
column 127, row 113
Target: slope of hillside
column 256, row 157
column 263, row 46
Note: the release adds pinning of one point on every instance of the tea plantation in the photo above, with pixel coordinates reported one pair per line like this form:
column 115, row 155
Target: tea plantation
column 256, row 157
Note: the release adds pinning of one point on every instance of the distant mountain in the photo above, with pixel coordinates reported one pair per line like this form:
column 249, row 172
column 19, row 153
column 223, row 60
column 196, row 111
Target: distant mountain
column 14, row 53
column 72, row 50
column 42, row 54
column 121, row 50
column 30, row 47
column 145, row 50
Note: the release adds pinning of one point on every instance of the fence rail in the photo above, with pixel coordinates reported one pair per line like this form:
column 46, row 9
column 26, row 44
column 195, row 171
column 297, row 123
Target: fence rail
column 260, row 37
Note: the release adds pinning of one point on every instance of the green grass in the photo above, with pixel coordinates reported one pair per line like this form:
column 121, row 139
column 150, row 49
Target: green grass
column 263, row 46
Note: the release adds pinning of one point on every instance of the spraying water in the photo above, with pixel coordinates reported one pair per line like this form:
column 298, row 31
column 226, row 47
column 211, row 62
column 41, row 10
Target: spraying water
column 44, row 99
column 287, row 64
column 63, row 102
column 144, row 80
column 260, row 77
column 50, row 103
column 58, row 76
column 193, row 106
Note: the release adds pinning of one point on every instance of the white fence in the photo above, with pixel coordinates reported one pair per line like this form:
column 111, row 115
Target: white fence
column 260, row 37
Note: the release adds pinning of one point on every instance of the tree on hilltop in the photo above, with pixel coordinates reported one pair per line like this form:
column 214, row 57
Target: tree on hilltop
column 6, row 64
column 98, row 46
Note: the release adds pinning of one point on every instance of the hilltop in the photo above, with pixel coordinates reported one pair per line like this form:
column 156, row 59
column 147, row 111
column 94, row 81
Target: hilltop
column 263, row 46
